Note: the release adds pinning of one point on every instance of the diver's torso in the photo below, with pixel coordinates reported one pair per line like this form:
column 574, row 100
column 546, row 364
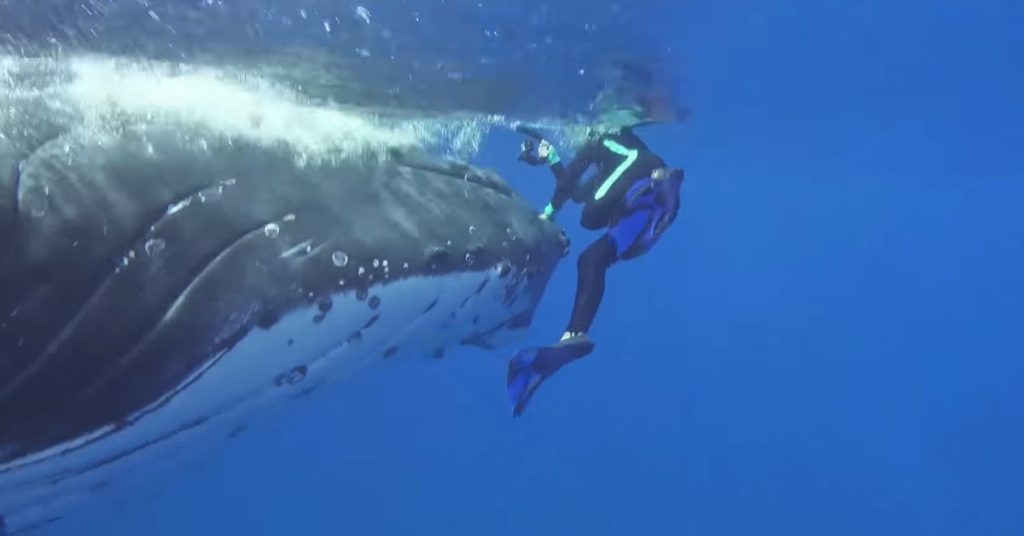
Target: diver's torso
column 603, row 194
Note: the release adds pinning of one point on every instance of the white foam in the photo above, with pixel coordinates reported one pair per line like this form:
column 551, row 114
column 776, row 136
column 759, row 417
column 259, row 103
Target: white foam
column 245, row 107
column 103, row 94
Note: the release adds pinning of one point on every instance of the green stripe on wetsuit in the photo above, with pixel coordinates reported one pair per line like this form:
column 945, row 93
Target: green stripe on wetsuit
column 631, row 156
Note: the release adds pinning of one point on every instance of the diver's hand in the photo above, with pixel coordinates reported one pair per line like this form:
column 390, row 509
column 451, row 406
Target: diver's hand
column 544, row 149
column 547, row 153
column 549, row 213
column 527, row 154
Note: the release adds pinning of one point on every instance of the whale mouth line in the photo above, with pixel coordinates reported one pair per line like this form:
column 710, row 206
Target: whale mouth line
column 454, row 170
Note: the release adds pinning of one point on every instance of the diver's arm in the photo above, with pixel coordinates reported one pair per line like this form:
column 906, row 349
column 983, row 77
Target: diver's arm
column 567, row 177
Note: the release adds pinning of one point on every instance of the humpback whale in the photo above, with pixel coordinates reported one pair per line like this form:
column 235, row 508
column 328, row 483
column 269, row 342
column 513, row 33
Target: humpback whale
column 160, row 279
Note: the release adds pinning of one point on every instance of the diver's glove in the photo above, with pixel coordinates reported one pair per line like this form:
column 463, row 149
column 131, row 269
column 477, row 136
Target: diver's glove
column 544, row 155
column 549, row 213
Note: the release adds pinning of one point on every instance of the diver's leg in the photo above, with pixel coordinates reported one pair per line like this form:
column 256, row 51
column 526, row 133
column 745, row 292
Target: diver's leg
column 593, row 265
column 591, row 269
column 530, row 367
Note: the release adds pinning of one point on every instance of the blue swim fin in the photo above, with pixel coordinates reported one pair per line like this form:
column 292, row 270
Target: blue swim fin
column 530, row 367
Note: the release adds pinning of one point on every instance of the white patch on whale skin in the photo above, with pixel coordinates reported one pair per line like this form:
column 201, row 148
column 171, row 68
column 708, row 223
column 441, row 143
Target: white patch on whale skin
column 256, row 372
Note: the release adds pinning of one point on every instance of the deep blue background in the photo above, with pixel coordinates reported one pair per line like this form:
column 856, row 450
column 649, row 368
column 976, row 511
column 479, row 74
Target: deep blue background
column 827, row 342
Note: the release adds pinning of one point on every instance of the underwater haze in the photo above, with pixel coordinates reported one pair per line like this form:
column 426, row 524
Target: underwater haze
column 827, row 341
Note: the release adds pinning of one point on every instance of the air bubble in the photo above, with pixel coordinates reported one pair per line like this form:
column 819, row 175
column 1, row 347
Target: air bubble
column 510, row 233
column 340, row 259
column 154, row 246
column 363, row 13
column 175, row 207
column 470, row 259
column 362, row 271
column 376, row 263
column 272, row 230
column 472, row 229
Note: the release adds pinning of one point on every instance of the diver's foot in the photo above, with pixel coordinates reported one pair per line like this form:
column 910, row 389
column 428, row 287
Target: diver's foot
column 571, row 338
column 571, row 335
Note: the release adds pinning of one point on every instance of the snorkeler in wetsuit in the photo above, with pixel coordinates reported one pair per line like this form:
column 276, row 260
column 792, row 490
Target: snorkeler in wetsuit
column 634, row 195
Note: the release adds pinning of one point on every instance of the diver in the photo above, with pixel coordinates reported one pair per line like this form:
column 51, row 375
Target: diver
column 633, row 195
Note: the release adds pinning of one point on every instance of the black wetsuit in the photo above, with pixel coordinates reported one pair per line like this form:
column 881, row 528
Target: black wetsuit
column 606, row 153
column 636, row 217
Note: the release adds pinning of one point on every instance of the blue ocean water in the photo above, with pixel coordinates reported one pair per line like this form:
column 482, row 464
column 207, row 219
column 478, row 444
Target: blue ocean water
column 828, row 341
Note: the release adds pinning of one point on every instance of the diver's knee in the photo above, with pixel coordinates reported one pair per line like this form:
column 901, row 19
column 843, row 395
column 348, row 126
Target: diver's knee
column 589, row 256
column 585, row 261
column 598, row 255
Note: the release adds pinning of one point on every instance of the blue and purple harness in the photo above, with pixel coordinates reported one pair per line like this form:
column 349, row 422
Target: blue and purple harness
column 646, row 216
